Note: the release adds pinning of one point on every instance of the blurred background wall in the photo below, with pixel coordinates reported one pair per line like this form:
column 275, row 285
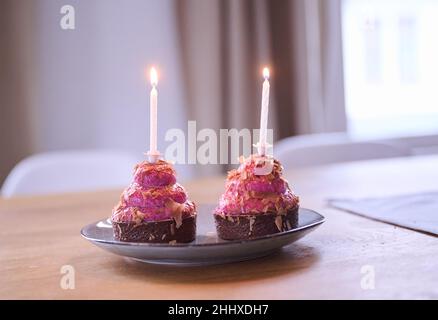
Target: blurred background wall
column 87, row 89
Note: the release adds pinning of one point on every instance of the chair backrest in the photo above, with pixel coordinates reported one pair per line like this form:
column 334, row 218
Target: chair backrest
column 312, row 150
column 68, row 171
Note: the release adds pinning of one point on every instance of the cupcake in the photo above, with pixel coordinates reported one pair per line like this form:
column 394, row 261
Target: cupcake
column 154, row 208
column 257, row 201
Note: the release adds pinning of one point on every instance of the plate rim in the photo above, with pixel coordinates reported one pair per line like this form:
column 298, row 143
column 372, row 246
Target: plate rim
column 321, row 220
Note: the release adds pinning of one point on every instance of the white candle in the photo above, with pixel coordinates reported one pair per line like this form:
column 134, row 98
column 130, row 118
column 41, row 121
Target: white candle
column 264, row 114
column 153, row 151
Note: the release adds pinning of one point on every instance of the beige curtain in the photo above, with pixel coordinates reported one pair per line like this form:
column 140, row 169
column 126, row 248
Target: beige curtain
column 15, row 82
column 225, row 43
column 224, row 46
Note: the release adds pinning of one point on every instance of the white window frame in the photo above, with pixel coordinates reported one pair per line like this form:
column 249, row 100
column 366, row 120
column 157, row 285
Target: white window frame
column 321, row 77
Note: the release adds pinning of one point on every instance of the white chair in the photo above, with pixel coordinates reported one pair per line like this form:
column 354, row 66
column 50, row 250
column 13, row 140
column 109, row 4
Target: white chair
column 69, row 171
column 319, row 149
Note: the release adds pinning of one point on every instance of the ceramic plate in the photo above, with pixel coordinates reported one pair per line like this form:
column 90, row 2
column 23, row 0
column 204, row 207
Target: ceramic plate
column 207, row 248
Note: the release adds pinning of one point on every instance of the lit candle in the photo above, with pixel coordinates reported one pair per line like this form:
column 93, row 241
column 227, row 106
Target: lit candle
column 153, row 152
column 262, row 145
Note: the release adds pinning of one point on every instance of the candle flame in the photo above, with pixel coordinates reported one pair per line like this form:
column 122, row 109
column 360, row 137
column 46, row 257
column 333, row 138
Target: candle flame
column 266, row 73
column 154, row 77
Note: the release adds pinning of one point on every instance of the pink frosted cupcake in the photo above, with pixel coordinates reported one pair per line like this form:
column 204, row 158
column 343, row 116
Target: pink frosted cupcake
column 154, row 208
column 257, row 201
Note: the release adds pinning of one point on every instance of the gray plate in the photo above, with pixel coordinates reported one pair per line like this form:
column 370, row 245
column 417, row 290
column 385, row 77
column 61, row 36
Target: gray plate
column 207, row 248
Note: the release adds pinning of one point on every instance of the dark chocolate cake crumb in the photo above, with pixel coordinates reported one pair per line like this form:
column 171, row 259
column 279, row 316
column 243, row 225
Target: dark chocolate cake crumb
column 156, row 232
column 254, row 225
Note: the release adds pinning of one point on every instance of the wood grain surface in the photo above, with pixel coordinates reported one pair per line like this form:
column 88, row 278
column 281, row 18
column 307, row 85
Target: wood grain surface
column 39, row 235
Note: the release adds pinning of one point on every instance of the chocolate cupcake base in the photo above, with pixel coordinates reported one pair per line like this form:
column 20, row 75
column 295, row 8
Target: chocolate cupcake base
column 247, row 226
column 156, row 232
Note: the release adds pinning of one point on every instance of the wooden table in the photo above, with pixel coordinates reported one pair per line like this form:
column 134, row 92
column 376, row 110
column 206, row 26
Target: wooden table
column 41, row 234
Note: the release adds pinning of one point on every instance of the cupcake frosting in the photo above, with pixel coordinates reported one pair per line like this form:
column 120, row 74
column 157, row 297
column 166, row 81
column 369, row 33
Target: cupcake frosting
column 257, row 187
column 154, row 195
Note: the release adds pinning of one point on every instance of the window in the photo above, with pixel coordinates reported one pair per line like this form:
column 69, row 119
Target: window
column 390, row 50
